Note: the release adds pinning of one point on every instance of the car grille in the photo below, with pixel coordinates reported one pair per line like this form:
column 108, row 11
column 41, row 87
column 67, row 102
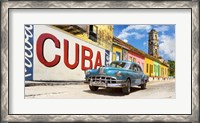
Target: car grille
column 104, row 79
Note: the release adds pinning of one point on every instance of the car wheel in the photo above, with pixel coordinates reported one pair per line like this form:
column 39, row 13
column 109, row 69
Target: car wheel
column 127, row 89
column 143, row 86
column 93, row 88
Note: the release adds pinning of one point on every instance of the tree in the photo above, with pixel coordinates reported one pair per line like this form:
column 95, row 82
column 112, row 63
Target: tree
column 171, row 68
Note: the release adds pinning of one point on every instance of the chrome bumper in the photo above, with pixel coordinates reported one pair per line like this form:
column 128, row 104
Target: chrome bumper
column 106, row 81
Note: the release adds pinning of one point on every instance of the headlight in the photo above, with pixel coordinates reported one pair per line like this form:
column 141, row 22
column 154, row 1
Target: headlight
column 118, row 73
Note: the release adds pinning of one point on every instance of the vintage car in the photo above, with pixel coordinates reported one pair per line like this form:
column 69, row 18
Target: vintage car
column 119, row 74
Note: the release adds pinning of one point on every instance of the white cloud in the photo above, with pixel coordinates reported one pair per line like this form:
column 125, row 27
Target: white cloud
column 162, row 29
column 167, row 46
column 130, row 31
column 137, row 27
column 138, row 36
column 145, row 43
column 124, row 35
column 125, row 40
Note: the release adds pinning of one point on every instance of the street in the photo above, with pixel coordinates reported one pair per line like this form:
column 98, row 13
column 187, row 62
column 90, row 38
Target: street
column 155, row 90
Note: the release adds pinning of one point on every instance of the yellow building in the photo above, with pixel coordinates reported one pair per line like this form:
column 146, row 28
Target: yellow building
column 163, row 71
column 148, row 67
column 119, row 49
column 99, row 35
column 117, row 52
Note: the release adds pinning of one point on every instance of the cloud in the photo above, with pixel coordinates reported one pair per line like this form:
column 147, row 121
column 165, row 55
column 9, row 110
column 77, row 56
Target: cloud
column 130, row 31
column 124, row 35
column 145, row 43
column 162, row 29
column 125, row 40
column 167, row 46
column 138, row 36
column 137, row 27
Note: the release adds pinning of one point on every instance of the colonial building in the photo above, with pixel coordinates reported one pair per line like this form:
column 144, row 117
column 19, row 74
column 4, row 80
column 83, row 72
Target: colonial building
column 152, row 66
column 100, row 35
column 120, row 49
column 153, row 46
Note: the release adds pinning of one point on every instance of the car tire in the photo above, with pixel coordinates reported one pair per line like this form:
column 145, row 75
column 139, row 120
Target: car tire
column 93, row 88
column 144, row 86
column 126, row 90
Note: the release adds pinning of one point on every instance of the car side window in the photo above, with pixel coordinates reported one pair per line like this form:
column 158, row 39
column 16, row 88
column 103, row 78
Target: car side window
column 139, row 69
column 134, row 67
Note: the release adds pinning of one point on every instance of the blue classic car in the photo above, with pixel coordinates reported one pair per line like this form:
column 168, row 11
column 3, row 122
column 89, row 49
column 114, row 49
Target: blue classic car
column 119, row 74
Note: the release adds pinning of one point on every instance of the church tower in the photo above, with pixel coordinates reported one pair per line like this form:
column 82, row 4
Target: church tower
column 153, row 46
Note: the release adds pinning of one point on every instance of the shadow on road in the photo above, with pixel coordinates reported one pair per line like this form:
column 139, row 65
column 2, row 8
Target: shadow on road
column 112, row 91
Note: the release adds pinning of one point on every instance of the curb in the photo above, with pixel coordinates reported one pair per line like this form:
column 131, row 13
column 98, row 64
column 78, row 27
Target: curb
column 33, row 83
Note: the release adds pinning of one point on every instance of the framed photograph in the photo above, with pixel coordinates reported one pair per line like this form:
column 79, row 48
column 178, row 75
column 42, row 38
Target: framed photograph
column 93, row 61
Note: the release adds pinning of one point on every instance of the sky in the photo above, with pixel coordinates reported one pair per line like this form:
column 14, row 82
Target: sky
column 137, row 36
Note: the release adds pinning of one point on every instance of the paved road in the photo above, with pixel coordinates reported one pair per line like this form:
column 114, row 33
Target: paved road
column 155, row 90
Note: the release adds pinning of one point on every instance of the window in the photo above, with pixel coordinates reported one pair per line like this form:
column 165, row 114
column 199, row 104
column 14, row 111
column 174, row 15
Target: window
column 93, row 32
column 156, row 51
column 156, row 36
column 139, row 69
column 117, row 56
column 151, row 68
column 130, row 58
column 134, row 59
column 120, row 64
column 162, row 72
column 135, row 68
column 147, row 68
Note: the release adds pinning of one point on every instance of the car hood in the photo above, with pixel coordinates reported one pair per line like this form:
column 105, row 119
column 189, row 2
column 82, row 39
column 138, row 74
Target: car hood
column 110, row 71
column 107, row 71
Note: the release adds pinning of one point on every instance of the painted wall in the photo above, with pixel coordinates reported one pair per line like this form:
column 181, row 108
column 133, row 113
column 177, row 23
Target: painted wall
column 53, row 55
column 134, row 57
column 104, row 36
column 156, row 69
column 117, row 50
column 163, row 71
column 166, row 73
column 149, row 64
column 124, row 54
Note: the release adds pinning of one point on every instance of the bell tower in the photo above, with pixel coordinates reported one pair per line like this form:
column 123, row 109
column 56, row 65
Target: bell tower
column 153, row 46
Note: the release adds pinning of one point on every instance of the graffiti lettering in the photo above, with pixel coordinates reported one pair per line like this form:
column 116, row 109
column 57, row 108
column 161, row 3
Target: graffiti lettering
column 88, row 58
column 40, row 44
column 87, row 54
column 66, row 55
column 28, row 51
column 98, row 60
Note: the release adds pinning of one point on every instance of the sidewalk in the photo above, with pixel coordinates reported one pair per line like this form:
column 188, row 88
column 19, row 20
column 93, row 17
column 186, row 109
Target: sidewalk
column 51, row 83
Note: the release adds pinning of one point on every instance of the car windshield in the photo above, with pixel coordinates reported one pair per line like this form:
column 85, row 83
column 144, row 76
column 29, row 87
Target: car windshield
column 120, row 65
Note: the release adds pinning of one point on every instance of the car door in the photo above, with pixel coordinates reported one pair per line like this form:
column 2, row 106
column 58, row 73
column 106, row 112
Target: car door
column 134, row 75
column 140, row 74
